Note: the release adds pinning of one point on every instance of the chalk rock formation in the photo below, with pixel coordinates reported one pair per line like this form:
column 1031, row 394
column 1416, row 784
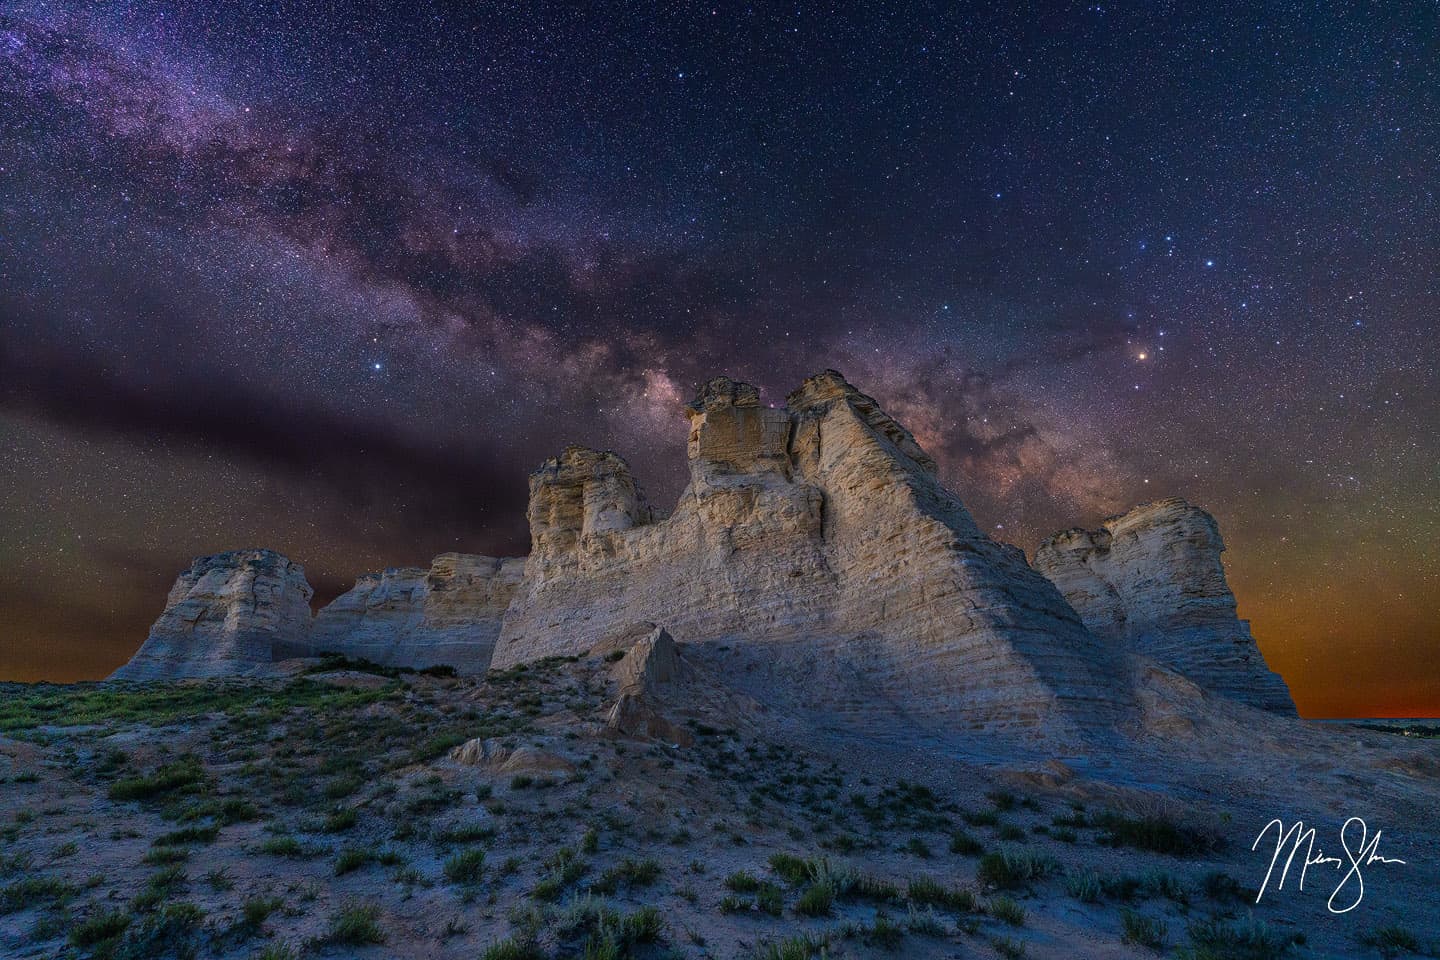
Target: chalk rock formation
column 1152, row 581
column 231, row 614
column 412, row 617
column 651, row 665
column 820, row 530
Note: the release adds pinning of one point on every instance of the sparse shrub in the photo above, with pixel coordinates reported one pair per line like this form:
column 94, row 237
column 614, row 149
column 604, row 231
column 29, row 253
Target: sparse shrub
column 1008, row 948
column 965, row 845
column 186, row 835
column 99, row 928
column 885, row 932
column 513, row 948
column 817, row 901
column 1215, row 939
column 1221, row 887
column 352, row 859
column 801, row 947
column 1006, row 910
column 468, row 866
column 642, row 926
column 1143, row 931
column 742, row 881
column 256, row 910
column 356, row 925
column 926, row 924
column 1156, row 833
column 790, row 868
column 1004, row 800
column 916, row 846
column 165, row 855
column 182, row 776
column 1084, row 885
column 341, row 819
column 928, row 892
column 770, row 899
column 28, row 891
column 1011, row 869
column 1010, row 833
column 282, row 846
column 1392, row 940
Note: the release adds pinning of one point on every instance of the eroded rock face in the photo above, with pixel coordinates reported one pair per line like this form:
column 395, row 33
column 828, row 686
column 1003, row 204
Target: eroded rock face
column 820, row 530
column 231, row 614
column 1152, row 581
column 413, row 617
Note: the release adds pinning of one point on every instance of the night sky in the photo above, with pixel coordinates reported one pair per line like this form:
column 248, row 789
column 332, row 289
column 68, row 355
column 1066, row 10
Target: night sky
column 334, row 281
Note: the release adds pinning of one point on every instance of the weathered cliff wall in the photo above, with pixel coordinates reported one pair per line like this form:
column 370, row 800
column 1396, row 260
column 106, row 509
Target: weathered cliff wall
column 821, row 530
column 1152, row 581
column 413, row 617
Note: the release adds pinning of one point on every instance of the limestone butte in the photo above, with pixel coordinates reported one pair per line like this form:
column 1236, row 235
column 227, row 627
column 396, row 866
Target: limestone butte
column 1151, row 580
column 227, row 615
column 820, row 530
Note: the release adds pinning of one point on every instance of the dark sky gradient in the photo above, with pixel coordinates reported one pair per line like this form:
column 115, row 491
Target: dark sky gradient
column 334, row 281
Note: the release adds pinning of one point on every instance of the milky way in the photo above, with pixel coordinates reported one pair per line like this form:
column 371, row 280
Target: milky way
column 334, row 281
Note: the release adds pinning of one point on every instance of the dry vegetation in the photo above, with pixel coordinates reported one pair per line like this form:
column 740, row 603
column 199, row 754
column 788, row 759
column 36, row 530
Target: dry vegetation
column 323, row 816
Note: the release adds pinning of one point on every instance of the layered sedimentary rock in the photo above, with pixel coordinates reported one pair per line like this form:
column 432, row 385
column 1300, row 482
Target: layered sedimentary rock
column 412, row 617
column 820, row 530
column 1152, row 581
column 231, row 614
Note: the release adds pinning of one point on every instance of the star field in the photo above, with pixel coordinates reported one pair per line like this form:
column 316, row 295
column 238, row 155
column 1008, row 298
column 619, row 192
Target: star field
column 333, row 280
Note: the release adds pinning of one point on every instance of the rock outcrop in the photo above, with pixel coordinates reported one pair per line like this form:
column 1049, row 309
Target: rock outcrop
column 1152, row 582
column 448, row 615
column 649, row 667
column 821, row 531
column 231, row 614
column 814, row 555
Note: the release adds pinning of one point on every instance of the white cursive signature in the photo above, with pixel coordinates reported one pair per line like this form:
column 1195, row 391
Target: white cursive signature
column 1297, row 835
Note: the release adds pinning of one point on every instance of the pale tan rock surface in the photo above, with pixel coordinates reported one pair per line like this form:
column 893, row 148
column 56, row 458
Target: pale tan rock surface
column 231, row 614
column 412, row 617
column 1152, row 582
column 820, row 531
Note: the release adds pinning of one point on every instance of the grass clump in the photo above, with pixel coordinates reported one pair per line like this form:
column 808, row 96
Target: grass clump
column 29, row 891
column 802, row 947
column 1155, row 833
column 965, row 845
column 185, row 775
column 352, row 859
column 1392, row 940
column 467, row 866
column 818, row 900
column 1142, row 931
column 927, row 892
column 1011, row 869
column 356, row 925
column 100, row 928
column 1007, row 910
column 1216, row 939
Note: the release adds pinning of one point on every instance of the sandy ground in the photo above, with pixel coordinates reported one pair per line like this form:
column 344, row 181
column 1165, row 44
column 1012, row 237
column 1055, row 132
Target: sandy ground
column 308, row 816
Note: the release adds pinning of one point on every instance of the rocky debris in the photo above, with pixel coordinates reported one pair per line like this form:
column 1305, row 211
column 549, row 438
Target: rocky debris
column 494, row 756
column 231, row 614
column 820, row 530
column 1151, row 581
column 448, row 615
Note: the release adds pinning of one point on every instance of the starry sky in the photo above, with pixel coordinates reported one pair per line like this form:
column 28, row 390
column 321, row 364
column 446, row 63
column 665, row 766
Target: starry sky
column 333, row 280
